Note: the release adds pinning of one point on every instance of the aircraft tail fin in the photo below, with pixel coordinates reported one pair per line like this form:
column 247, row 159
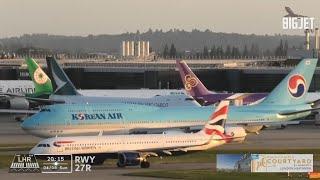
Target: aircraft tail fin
column 293, row 88
column 192, row 84
column 63, row 85
column 217, row 120
column 42, row 82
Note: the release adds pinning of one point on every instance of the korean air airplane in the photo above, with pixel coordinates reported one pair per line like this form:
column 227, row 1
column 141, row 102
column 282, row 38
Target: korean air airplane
column 285, row 103
column 133, row 150
column 195, row 88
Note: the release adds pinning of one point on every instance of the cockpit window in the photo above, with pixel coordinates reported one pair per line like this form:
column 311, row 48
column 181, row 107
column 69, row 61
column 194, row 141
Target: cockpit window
column 43, row 145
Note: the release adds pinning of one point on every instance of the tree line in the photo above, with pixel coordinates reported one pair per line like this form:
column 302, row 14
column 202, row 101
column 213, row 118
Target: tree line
column 225, row 52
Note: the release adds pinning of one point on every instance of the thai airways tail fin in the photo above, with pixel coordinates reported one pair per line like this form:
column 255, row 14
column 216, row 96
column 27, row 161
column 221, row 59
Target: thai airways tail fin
column 293, row 88
column 192, row 84
column 217, row 120
column 42, row 83
column 63, row 85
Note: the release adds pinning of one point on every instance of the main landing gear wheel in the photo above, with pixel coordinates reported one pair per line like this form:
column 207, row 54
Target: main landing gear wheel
column 120, row 165
column 145, row 164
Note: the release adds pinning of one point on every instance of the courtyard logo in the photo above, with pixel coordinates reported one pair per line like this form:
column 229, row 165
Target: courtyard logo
column 84, row 116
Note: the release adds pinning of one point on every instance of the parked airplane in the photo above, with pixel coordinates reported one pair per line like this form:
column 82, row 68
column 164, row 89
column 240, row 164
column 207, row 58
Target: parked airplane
column 132, row 150
column 286, row 102
column 65, row 91
column 198, row 91
column 24, row 99
column 12, row 100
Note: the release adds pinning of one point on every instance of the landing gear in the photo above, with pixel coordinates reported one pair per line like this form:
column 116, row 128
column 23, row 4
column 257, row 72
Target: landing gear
column 145, row 164
column 120, row 165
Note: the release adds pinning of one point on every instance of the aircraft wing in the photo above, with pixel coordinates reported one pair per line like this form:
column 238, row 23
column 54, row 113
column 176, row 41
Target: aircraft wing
column 17, row 111
column 44, row 101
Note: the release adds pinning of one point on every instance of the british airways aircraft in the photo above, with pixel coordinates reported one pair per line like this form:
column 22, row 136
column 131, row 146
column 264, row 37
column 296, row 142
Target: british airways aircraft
column 195, row 88
column 286, row 102
column 132, row 150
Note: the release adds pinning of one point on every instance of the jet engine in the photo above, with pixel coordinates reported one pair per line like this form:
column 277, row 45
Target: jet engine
column 253, row 129
column 238, row 133
column 18, row 103
column 132, row 159
column 14, row 103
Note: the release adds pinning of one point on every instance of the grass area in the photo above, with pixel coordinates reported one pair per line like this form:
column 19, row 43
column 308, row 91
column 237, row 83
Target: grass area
column 210, row 156
column 15, row 147
column 210, row 174
column 198, row 157
column 5, row 161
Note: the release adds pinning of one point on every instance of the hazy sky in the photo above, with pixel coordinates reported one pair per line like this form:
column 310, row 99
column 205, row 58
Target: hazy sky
column 83, row 17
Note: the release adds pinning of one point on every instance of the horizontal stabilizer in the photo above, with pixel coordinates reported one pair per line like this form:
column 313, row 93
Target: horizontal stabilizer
column 286, row 113
column 315, row 103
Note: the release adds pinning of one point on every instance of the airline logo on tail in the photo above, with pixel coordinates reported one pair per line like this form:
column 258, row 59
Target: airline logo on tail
column 190, row 82
column 39, row 76
column 215, row 125
column 297, row 85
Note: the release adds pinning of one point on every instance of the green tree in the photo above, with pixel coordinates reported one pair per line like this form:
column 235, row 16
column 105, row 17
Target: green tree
column 228, row 51
column 235, row 53
column 165, row 53
column 173, row 51
column 205, row 52
column 213, row 52
column 245, row 51
column 285, row 48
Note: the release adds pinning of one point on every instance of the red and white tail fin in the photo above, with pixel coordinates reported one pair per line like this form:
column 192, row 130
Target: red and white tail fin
column 217, row 120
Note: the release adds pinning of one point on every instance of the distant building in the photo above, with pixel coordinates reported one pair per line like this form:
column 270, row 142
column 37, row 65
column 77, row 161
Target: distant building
column 244, row 164
column 138, row 49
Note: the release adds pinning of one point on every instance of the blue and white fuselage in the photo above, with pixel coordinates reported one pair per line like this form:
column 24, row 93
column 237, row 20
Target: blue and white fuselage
column 158, row 101
column 112, row 118
column 286, row 102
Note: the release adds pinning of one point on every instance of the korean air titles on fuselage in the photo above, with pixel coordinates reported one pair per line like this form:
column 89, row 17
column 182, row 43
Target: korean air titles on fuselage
column 97, row 116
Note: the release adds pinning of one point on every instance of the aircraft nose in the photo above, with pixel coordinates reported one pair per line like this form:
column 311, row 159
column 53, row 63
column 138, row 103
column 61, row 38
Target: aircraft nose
column 33, row 151
column 27, row 124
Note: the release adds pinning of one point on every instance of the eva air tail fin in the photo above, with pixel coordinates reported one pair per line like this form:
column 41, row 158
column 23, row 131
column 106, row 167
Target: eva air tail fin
column 292, row 90
column 42, row 83
column 192, row 84
column 63, row 85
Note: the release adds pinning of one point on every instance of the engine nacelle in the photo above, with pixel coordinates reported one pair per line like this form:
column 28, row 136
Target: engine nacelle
column 253, row 129
column 18, row 103
column 174, row 131
column 129, row 159
column 238, row 133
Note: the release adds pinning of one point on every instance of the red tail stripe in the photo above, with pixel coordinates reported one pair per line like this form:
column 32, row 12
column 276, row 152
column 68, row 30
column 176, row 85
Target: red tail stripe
column 221, row 111
column 225, row 137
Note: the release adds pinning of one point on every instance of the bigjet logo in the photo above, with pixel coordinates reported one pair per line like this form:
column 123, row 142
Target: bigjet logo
column 297, row 22
column 294, row 21
column 85, row 116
